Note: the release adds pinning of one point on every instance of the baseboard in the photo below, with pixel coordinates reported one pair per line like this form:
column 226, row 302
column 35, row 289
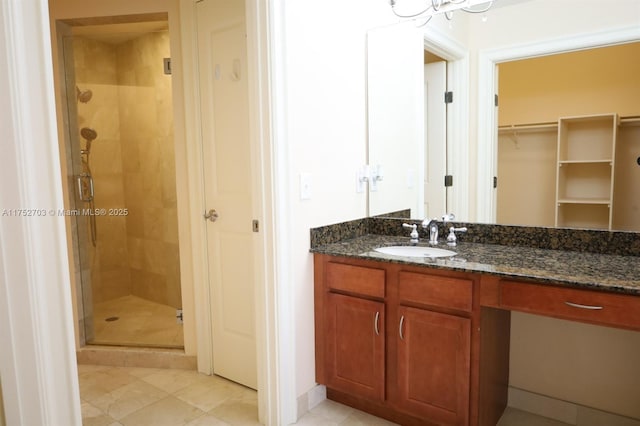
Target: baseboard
column 308, row 400
column 565, row 411
column 136, row 357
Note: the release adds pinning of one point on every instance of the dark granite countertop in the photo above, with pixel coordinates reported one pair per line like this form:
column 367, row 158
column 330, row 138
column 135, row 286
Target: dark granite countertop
column 605, row 272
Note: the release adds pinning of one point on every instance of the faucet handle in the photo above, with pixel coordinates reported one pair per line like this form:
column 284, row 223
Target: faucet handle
column 414, row 231
column 451, row 239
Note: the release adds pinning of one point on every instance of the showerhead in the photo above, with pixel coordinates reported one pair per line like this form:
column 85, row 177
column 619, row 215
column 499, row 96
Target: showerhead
column 84, row 96
column 88, row 134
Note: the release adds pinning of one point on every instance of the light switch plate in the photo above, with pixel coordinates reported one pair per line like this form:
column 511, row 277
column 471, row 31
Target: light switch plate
column 305, row 186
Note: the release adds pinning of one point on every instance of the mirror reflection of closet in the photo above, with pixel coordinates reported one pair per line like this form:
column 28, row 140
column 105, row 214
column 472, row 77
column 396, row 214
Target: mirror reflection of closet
column 598, row 110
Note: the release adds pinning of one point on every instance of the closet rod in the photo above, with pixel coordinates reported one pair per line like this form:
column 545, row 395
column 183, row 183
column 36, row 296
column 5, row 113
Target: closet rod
column 630, row 121
column 533, row 126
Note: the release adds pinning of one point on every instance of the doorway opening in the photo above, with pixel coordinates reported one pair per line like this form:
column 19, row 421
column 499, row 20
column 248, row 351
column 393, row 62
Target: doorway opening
column 122, row 180
column 435, row 132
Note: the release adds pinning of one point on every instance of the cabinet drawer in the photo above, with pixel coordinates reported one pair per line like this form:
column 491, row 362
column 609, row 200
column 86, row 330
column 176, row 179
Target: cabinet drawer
column 435, row 290
column 573, row 304
column 356, row 279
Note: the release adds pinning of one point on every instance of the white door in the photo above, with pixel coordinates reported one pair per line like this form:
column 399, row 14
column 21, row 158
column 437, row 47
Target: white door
column 435, row 161
column 222, row 55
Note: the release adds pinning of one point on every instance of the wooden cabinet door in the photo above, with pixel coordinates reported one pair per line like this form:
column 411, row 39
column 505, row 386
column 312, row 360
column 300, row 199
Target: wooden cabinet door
column 355, row 345
column 434, row 353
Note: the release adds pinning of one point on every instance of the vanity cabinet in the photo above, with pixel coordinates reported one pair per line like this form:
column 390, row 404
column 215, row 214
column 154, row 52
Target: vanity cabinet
column 433, row 365
column 434, row 346
column 428, row 342
column 355, row 346
column 395, row 340
column 354, row 316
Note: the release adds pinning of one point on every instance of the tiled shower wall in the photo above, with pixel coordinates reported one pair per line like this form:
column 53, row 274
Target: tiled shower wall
column 146, row 123
column 132, row 161
column 96, row 70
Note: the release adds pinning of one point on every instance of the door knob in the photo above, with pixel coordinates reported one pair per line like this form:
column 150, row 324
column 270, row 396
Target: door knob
column 211, row 215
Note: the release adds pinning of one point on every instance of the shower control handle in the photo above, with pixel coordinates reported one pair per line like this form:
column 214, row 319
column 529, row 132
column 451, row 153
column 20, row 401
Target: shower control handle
column 81, row 187
column 212, row 215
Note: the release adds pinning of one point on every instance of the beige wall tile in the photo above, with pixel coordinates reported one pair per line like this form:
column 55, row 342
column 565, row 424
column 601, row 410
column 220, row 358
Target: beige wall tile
column 154, row 256
column 133, row 164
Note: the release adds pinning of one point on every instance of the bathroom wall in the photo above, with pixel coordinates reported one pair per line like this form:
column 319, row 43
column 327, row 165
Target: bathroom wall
column 325, row 131
column 133, row 165
column 146, row 127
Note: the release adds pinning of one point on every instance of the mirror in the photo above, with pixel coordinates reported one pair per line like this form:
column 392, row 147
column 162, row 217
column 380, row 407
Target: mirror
column 627, row 149
column 563, row 108
column 395, row 133
column 408, row 125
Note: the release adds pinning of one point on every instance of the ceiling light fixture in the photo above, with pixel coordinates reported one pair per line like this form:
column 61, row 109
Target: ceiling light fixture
column 446, row 7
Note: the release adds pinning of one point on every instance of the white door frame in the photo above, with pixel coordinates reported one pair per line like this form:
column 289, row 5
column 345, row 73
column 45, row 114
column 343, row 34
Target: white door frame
column 37, row 360
column 274, row 336
column 487, row 130
column 457, row 57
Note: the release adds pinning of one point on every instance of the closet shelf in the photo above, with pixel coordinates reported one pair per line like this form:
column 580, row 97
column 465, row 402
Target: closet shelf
column 603, row 161
column 603, row 201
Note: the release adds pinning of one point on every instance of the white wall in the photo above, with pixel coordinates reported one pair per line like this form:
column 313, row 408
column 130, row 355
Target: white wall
column 326, row 132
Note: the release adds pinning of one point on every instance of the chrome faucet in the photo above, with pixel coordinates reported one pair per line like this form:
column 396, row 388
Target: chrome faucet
column 431, row 225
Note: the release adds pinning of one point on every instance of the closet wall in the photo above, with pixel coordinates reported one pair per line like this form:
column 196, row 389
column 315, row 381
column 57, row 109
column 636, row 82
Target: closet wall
column 533, row 95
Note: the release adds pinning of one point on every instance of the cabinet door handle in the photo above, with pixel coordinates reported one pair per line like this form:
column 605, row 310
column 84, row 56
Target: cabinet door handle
column 578, row 305
column 400, row 328
column 375, row 324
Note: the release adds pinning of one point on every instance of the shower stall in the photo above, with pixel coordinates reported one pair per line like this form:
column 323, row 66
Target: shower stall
column 122, row 191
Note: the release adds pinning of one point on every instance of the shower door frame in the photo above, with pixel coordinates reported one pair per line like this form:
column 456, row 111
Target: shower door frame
column 78, row 237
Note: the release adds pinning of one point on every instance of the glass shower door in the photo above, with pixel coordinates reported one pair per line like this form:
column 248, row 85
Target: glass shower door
column 123, row 187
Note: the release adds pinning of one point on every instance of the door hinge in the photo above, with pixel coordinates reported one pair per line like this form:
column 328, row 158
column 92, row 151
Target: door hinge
column 448, row 180
column 495, row 99
column 179, row 316
column 448, row 97
column 495, row 181
column 167, row 65
column 256, row 225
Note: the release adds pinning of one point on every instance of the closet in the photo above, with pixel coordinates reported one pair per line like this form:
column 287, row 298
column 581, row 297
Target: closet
column 569, row 140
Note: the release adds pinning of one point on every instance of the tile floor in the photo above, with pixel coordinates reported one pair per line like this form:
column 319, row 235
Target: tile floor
column 128, row 396
column 140, row 322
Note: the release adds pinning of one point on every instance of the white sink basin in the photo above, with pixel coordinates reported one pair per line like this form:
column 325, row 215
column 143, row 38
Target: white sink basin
column 415, row 251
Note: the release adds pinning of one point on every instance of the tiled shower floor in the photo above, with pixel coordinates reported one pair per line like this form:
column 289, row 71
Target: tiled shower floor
column 139, row 322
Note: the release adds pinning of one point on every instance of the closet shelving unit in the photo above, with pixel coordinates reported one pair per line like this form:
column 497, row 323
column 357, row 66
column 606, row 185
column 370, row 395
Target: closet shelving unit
column 585, row 176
